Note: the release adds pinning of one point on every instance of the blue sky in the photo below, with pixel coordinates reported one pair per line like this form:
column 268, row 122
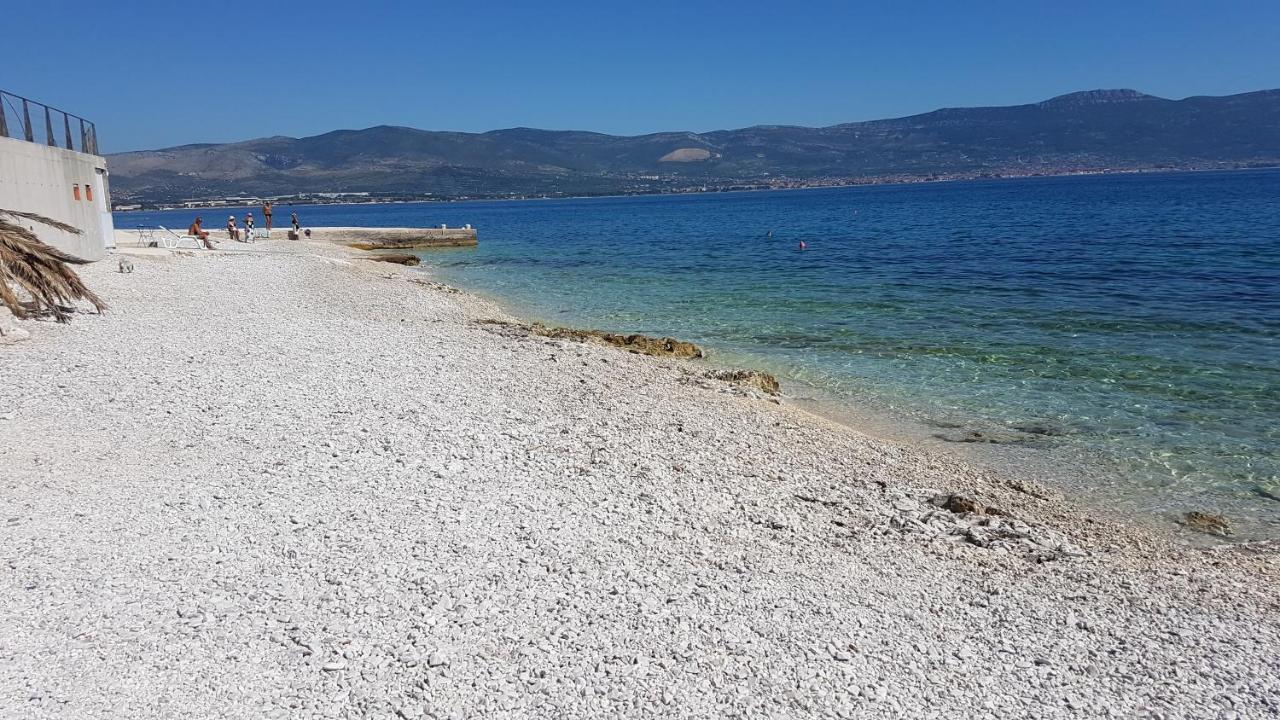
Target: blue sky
column 160, row 74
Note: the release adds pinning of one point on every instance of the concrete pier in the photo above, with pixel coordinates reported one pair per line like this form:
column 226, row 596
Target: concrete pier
column 367, row 238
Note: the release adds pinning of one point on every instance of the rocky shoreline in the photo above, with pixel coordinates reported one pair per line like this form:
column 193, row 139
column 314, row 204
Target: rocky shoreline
column 634, row 342
column 290, row 482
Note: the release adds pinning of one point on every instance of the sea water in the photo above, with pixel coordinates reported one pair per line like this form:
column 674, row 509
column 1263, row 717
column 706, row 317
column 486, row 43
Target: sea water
column 1131, row 322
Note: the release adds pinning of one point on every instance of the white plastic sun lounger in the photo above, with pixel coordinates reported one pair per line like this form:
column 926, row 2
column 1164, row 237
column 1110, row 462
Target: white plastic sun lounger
column 170, row 239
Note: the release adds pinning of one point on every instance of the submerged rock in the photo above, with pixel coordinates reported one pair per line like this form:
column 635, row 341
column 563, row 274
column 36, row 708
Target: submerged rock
column 398, row 258
column 1021, row 433
column 984, row 436
column 1270, row 492
column 1046, row 429
column 1028, row 487
column 1211, row 523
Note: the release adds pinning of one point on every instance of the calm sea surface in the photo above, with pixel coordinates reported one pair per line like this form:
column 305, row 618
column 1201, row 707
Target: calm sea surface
column 1136, row 319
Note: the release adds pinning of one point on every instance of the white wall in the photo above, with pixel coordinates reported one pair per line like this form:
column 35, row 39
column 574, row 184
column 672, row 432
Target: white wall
column 41, row 179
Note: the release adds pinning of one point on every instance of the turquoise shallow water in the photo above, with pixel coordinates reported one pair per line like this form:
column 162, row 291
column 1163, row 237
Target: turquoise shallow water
column 1136, row 317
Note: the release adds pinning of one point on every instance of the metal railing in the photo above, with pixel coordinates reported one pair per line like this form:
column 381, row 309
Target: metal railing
column 15, row 114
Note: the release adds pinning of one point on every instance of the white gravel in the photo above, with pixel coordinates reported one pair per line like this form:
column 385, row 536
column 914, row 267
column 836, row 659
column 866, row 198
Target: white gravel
column 286, row 485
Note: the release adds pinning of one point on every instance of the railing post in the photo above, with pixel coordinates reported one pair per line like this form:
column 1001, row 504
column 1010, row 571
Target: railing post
column 26, row 122
column 88, row 131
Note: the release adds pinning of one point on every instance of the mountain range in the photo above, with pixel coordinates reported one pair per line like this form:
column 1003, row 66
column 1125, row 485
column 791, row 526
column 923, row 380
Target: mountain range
column 1085, row 131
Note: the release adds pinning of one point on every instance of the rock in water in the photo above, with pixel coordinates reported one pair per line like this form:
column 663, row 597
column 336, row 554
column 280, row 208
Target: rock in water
column 398, row 258
column 1213, row 524
column 982, row 436
column 1047, row 429
column 1270, row 492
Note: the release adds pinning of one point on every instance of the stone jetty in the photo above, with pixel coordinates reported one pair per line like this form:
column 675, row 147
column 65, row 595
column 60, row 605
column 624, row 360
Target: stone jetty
column 367, row 238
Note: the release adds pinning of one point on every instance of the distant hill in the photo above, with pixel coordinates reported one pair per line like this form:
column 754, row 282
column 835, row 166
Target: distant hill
column 1097, row 129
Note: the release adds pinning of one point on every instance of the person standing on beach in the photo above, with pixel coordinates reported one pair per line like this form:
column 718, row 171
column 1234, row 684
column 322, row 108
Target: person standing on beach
column 293, row 218
column 232, row 231
column 248, row 227
column 266, row 214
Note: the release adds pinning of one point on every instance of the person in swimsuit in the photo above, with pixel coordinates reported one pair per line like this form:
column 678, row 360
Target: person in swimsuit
column 293, row 218
column 266, row 214
column 196, row 231
column 233, row 232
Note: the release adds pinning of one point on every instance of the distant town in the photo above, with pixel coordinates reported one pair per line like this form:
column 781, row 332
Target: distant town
column 653, row 185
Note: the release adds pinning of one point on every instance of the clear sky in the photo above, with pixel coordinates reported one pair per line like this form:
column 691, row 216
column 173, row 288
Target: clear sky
column 155, row 74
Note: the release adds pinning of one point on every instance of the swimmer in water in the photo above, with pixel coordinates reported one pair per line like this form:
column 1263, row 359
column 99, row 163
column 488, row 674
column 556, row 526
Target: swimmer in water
column 802, row 245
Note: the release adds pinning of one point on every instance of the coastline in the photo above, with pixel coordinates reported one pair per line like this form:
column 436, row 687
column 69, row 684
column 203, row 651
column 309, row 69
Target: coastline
column 333, row 482
column 1015, row 461
column 893, row 183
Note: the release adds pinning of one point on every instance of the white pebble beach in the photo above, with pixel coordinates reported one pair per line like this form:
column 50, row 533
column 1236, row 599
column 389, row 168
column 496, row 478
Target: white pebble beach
column 287, row 482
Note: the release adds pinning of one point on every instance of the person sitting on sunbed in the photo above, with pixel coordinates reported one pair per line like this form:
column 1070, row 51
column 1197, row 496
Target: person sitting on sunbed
column 196, row 231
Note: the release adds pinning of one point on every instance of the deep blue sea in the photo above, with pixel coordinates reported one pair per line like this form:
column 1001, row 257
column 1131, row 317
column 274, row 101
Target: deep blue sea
column 1135, row 317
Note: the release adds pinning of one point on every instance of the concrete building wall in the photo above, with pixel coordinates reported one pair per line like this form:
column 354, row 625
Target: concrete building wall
column 61, row 184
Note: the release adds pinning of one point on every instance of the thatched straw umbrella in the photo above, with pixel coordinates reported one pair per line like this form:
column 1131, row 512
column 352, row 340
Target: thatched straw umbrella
column 39, row 269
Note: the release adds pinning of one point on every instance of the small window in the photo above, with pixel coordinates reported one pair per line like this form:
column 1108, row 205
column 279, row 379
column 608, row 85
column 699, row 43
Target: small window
column 88, row 193
column 75, row 190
